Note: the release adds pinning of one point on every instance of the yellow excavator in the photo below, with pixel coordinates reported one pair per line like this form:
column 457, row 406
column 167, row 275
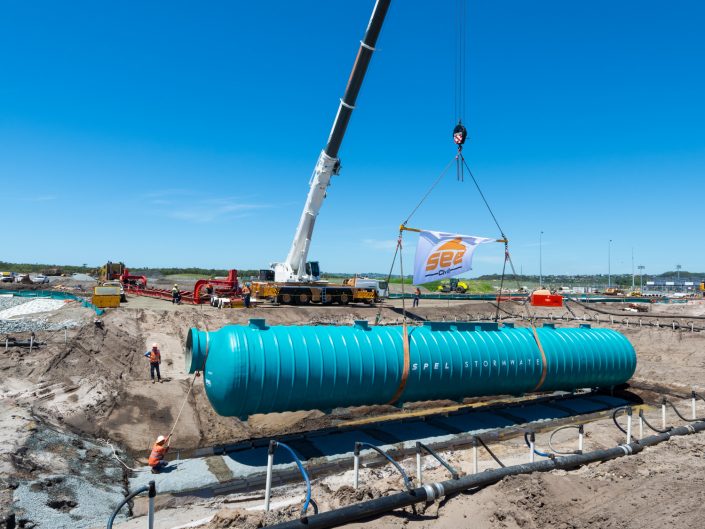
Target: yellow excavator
column 453, row 285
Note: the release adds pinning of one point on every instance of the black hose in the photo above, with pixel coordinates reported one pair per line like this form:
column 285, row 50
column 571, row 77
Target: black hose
column 679, row 413
column 437, row 491
column 614, row 418
column 647, row 423
column 537, row 452
column 134, row 493
column 389, row 458
column 479, row 440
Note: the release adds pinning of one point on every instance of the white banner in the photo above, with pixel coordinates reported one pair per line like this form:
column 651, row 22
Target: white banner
column 440, row 255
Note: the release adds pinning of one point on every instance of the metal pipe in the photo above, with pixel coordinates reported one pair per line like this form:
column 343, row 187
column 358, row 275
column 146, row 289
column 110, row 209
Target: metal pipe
column 437, row 491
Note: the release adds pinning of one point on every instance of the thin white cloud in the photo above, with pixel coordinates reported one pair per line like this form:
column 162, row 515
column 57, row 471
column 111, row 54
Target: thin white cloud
column 380, row 244
column 203, row 213
column 491, row 259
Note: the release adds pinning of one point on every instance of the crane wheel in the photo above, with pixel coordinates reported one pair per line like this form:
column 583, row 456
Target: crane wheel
column 344, row 298
column 286, row 299
column 304, row 298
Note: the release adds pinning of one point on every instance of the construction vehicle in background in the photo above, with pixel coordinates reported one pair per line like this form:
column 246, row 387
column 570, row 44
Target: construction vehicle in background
column 453, row 284
column 296, row 280
column 111, row 271
column 614, row 291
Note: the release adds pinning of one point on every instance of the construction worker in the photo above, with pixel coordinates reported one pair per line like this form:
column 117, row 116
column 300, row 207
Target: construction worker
column 155, row 358
column 417, row 296
column 246, row 295
column 175, row 295
column 159, row 450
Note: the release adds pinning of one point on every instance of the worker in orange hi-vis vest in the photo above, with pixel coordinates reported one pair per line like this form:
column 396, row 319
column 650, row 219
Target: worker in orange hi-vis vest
column 159, row 450
column 155, row 358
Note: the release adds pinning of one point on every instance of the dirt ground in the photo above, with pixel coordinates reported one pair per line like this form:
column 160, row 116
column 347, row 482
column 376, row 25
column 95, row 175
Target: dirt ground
column 92, row 383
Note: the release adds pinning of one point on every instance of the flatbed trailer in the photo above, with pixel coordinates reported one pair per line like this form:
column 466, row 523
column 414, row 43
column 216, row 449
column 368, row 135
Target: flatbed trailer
column 305, row 293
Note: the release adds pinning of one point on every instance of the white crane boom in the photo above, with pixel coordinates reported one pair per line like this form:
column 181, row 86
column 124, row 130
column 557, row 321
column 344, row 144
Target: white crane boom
column 294, row 269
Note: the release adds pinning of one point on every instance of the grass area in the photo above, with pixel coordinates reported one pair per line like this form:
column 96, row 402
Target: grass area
column 475, row 286
column 177, row 277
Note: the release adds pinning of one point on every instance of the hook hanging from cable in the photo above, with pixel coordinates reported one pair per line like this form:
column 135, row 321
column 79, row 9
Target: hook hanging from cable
column 460, row 134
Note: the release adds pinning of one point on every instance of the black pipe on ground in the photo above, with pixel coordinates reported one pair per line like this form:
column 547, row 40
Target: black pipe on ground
column 437, row 491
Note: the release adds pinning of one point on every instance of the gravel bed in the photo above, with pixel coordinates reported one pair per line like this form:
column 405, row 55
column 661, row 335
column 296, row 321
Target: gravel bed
column 27, row 325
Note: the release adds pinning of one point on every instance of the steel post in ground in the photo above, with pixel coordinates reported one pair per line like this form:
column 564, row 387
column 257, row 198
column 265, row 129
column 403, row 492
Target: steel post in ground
column 151, row 493
column 268, row 482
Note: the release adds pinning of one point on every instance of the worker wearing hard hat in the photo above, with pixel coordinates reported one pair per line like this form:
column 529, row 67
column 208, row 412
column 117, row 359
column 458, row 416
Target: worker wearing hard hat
column 155, row 359
column 246, row 293
column 159, row 450
column 175, row 295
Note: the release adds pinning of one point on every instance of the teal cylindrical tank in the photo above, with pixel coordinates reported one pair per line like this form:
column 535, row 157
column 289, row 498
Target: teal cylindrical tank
column 256, row 368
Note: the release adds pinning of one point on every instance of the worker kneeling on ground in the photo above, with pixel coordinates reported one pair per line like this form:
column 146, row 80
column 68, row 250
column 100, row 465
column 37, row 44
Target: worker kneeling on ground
column 159, row 450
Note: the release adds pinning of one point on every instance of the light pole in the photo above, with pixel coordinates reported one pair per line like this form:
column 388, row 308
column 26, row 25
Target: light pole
column 641, row 278
column 632, row 269
column 540, row 259
column 609, row 264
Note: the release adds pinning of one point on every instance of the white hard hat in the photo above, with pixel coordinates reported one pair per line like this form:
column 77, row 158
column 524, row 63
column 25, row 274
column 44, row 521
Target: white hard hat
column 155, row 345
column 161, row 439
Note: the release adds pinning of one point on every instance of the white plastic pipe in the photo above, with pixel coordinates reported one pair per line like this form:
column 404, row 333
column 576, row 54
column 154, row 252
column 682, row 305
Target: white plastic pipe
column 474, row 459
column 532, row 456
column 268, row 484
column 581, row 436
column 663, row 416
column 356, row 466
column 629, row 425
column 641, row 427
column 692, row 408
column 418, row 468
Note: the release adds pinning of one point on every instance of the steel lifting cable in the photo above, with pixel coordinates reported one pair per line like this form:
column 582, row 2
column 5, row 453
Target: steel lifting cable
column 430, row 189
column 193, row 382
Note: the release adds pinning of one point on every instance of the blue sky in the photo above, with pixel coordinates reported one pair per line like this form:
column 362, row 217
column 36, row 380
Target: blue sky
column 184, row 134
